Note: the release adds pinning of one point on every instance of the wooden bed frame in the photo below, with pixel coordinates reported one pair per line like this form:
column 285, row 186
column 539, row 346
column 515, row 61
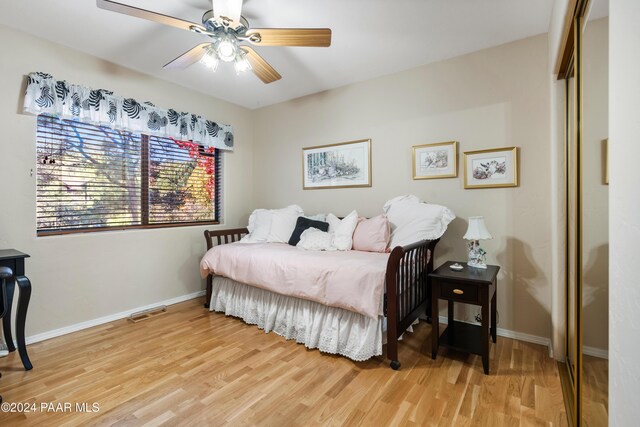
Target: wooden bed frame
column 407, row 281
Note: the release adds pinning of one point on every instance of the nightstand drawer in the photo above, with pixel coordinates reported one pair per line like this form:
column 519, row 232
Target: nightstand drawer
column 458, row 291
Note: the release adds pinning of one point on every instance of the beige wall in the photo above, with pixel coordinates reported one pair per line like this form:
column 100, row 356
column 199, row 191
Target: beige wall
column 78, row 278
column 595, row 205
column 493, row 98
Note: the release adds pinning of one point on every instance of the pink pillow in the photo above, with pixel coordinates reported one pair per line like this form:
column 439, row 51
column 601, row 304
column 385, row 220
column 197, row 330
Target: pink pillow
column 372, row 235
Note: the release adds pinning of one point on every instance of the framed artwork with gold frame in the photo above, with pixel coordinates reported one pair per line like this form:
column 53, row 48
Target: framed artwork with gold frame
column 342, row 165
column 493, row 168
column 439, row 160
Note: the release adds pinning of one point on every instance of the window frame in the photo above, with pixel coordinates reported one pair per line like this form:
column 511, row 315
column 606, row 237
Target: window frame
column 144, row 200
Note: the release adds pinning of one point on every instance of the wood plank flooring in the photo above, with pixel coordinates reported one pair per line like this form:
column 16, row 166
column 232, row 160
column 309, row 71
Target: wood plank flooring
column 192, row 367
column 595, row 391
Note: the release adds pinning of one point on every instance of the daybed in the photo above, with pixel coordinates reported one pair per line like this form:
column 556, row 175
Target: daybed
column 316, row 317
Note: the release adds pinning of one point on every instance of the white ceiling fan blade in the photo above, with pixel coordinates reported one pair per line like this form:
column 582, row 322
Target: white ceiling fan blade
column 188, row 58
column 147, row 14
column 227, row 10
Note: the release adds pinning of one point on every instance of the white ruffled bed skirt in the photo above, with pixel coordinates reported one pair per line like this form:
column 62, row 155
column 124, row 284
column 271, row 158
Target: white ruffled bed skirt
column 329, row 329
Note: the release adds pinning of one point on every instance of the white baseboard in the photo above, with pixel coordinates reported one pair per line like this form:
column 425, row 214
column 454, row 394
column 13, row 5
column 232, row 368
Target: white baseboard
column 595, row 352
column 106, row 319
column 506, row 333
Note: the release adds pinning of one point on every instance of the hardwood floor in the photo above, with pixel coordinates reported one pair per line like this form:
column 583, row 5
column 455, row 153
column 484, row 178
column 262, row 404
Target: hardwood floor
column 192, row 367
column 595, row 391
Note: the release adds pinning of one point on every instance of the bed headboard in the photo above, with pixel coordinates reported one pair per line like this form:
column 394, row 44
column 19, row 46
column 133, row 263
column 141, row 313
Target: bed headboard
column 224, row 236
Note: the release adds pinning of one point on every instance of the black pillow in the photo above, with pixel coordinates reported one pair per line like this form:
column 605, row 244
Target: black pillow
column 302, row 224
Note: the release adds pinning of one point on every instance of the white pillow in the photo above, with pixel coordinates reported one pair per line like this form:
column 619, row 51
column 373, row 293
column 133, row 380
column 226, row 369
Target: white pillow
column 259, row 226
column 342, row 230
column 412, row 221
column 283, row 222
column 271, row 225
column 313, row 239
column 407, row 198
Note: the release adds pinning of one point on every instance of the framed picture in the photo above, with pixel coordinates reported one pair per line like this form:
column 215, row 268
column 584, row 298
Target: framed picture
column 497, row 167
column 437, row 160
column 343, row 165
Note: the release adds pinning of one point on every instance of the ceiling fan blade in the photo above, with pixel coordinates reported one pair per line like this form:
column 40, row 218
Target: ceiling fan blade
column 227, row 10
column 188, row 58
column 260, row 67
column 147, row 14
column 313, row 37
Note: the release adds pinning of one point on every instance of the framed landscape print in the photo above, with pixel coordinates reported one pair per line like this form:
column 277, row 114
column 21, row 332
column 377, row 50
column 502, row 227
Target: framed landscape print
column 497, row 167
column 343, row 165
column 437, row 160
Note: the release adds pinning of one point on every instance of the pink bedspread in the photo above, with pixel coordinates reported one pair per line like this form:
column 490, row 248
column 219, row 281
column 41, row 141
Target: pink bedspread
column 352, row 280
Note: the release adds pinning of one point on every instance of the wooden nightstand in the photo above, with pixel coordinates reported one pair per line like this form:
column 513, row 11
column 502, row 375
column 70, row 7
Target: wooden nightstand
column 469, row 286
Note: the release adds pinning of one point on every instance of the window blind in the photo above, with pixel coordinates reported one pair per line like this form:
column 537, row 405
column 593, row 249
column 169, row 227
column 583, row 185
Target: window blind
column 93, row 177
column 178, row 180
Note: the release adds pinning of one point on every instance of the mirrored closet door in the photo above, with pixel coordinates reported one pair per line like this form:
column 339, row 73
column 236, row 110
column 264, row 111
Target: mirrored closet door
column 585, row 70
column 595, row 215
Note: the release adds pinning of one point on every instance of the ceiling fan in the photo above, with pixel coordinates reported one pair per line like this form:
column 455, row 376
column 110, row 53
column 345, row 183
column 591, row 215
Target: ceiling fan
column 227, row 28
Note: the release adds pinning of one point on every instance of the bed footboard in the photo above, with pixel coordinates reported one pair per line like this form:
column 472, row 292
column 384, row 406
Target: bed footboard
column 222, row 237
column 408, row 290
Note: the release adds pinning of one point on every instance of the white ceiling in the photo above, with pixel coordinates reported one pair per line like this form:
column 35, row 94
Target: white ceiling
column 370, row 38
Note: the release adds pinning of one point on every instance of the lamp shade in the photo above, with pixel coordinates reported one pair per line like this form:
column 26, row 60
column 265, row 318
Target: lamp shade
column 477, row 230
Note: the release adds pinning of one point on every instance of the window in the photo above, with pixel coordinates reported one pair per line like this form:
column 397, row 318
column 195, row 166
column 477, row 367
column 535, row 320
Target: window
column 95, row 178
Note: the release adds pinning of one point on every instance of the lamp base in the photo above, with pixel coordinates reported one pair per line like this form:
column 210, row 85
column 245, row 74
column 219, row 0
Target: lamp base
column 477, row 255
column 477, row 265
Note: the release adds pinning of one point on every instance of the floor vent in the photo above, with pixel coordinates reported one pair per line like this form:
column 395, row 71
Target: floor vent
column 147, row 314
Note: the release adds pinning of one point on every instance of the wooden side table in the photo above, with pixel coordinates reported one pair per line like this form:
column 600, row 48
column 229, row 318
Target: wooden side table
column 15, row 261
column 469, row 286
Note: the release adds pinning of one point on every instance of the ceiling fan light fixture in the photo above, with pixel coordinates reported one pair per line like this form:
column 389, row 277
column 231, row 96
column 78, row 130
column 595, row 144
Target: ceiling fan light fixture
column 210, row 60
column 226, row 28
column 241, row 63
column 227, row 47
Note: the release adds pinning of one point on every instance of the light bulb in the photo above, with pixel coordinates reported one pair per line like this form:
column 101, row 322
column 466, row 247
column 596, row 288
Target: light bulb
column 242, row 64
column 226, row 48
column 210, row 60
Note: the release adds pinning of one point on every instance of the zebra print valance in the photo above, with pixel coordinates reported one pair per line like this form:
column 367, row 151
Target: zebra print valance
column 45, row 95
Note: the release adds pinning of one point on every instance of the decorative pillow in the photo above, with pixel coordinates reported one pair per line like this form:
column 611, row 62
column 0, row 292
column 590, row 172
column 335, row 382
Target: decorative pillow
column 302, row 224
column 283, row 221
column 372, row 235
column 313, row 239
column 259, row 226
column 317, row 217
column 271, row 225
column 342, row 230
column 412, row 220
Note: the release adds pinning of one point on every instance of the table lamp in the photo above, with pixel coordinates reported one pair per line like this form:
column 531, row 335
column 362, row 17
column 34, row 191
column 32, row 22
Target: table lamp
column 477, row 231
